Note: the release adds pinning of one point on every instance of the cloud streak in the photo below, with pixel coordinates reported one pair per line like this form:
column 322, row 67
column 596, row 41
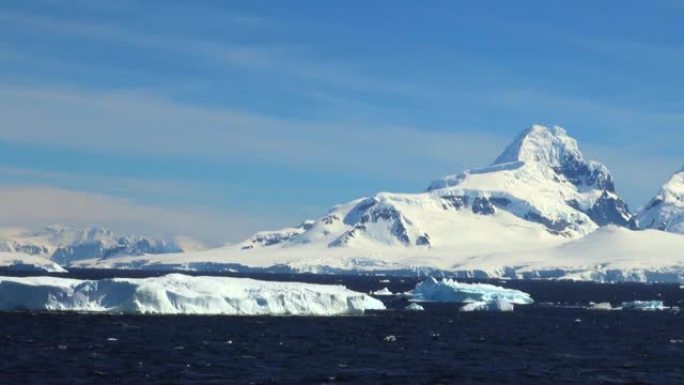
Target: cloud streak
column 145, row 124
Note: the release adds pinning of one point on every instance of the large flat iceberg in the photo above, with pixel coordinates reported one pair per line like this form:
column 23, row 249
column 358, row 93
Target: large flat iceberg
column 449, row 290
column 182, row 294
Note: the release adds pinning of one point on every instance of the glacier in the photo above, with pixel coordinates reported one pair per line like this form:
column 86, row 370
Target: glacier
column 449, row 290
column 182, row 294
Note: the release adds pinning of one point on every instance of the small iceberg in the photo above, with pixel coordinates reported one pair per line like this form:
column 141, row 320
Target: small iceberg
column 644, row 305
column 182, row 294
column 449, row 290
column 601, row 306
column 414, row 307
column 496, row 305
column 383, row 292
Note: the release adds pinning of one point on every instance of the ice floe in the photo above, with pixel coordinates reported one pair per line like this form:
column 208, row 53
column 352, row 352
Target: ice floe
column 182, row 294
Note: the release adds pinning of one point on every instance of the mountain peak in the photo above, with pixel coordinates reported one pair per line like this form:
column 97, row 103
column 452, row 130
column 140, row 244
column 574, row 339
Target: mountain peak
column 675, row 186
column 666, row 210
column 552, row 148
column 541, row 144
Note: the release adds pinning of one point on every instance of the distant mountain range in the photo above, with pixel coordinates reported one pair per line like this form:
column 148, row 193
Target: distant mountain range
column 539, row 210
column 65, row 245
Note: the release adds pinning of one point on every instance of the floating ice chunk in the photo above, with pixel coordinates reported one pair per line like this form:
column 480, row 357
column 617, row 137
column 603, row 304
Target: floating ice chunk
column 383, row 292
column 644, row 305
column 495, row 305
column 601, row 306
column 182, row 294
column 414, row 307
column 390, row 338
column 449, row 290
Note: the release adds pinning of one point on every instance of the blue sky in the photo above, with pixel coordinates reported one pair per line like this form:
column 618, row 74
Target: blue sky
column 217, row 118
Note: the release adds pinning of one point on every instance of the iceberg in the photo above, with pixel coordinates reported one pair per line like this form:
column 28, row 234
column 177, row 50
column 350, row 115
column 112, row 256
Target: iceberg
column 414, row 307
column 449, row 290
column 497, row 304
column 382, row 292
column 182, row 294
column 601, row 306
column 643, row 305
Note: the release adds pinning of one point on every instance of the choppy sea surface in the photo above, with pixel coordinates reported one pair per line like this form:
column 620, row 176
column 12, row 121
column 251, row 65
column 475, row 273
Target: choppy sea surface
column 555, row 341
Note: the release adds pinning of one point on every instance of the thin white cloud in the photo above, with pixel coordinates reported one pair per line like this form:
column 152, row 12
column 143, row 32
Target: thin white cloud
column 118, row 186
column 296, row 61
column 146, row 124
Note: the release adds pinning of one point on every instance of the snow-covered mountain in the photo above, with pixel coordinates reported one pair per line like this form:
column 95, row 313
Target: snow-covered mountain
column 538, row 189
column 540, row 210
column 65, row 245
column 666, row 210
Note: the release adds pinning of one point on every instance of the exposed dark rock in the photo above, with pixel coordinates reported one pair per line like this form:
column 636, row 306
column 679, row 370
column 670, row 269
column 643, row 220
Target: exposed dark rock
column 330, row 219
column 580, row 173
column 359, row 210
column 454, row 201
column 554, row 227
column 423, row 240
column 483, row 206
column 608, row 210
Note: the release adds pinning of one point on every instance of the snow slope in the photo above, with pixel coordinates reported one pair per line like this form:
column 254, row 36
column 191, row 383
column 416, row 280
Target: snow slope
column 611, row 253
column 182, row 294
column 666, row 210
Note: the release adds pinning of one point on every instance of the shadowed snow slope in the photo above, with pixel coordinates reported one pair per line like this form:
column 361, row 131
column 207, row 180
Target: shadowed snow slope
column 182, row 294
column 14, row 261
column 666, row 210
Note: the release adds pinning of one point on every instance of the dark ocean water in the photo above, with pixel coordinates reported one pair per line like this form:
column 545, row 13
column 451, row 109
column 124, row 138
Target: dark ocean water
column 551, row 342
